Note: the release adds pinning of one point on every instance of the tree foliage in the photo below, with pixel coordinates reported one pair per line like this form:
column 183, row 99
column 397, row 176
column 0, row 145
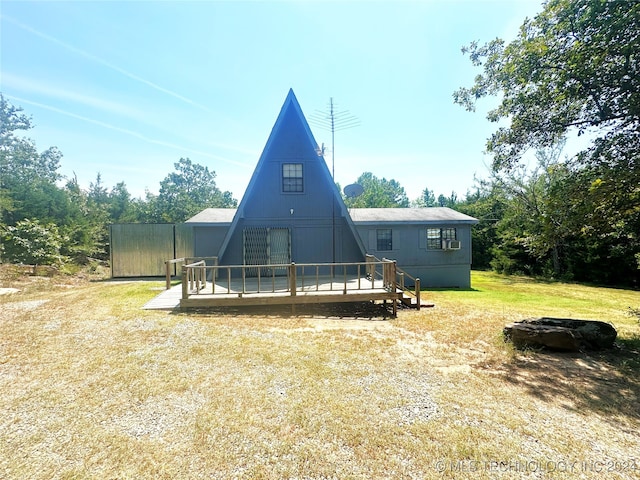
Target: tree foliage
column 27, row 178
column 574, row 67
column 36, row 200
column 427, row 199
column 486, row 203
column 188, row 190
column 378, row 193
column 534, row 227
column 30, row 243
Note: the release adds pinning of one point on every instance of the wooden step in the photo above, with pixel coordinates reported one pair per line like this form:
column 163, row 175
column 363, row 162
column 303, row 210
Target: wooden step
column 412, row 302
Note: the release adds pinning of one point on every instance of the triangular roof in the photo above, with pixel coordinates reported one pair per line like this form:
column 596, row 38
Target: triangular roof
column 290, row 108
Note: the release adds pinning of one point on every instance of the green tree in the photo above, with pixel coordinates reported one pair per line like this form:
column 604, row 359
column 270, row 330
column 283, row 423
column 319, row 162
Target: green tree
column 29, row 191
column 574, row 69
column 605, row 226
column 30, row 243
column 121, row 206
column 450, row 201
column 487, row 204
column 27, row 178
column 378, row 193
column 426, row 199
column 535, row 227
column 187, row 191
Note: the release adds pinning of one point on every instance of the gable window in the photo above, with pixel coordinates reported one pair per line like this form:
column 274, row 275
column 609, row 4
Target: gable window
column 435, row 237
column 384, row 239
column 292, row 180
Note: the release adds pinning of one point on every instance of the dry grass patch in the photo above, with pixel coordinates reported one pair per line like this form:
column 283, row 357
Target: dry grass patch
column 91, row 386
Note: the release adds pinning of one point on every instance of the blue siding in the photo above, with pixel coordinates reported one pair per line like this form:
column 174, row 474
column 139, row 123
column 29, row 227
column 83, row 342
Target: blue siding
column 310, row 240
column 315, row 214
column 435, row 268
column 207, row 240
column 310, row 215
column 291, row 145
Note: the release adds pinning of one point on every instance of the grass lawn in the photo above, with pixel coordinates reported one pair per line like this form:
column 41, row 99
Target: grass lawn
column 91, row 386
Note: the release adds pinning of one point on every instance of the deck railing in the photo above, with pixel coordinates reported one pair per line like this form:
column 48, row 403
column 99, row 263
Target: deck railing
column 178, row 262
column 399, row 280
column 286, row 278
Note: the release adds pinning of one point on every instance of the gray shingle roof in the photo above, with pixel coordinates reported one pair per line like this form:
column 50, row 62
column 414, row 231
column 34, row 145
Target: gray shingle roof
column 222, row 216
column 214, row 215
column 409, row 215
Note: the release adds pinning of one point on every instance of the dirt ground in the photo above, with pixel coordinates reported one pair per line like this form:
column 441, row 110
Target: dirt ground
column 340, row 391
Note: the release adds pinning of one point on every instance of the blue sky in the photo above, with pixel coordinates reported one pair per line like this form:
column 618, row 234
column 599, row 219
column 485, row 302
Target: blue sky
column 128, row 88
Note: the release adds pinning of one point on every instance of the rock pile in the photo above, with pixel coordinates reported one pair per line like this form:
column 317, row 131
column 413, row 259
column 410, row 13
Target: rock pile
column 561, row 334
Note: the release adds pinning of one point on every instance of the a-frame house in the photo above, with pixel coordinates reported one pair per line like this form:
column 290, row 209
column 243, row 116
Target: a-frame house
column 293, row 213
column 292, row 210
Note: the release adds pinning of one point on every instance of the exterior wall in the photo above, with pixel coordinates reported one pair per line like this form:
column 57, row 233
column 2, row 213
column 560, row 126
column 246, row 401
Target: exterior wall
column 208, row 239
column 184, row 241
column 310, row 240
column 435, row 268
column 141, row 250
column 265, row 198
column 445, row 276
column 310, row 215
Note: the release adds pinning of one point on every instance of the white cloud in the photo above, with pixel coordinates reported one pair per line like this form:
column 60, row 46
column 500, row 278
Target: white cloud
column 68, row 93
column 103, row 62
column 128, row 132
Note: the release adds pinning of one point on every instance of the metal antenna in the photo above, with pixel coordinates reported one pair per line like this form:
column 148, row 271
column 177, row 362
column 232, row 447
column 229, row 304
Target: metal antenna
column 333, row 121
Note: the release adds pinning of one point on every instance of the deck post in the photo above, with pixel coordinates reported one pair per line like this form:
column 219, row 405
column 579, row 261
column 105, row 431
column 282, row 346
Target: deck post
column 292, row 285
column 259, row 278
column 292, row 279
column 392, row 274
column 385, row 273
column 371, row 267
column 389, row 274
column 244, row 280
column 167, row 268
column 214, row 274
column 344, row 270
column 418, row 293
column 185, row 287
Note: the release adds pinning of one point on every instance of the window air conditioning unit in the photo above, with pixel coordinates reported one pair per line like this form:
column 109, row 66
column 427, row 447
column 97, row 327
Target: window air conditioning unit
column 451, row 244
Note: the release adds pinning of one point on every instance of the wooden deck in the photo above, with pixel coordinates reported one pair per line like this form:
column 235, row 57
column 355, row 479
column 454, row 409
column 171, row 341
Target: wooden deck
column 284, row 285
column 167, row 300
column 327, row 292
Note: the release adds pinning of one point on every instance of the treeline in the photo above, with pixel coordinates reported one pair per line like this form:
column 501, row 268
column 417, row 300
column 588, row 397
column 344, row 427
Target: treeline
column 48, row 219
column 574, row 69
column 555, row 221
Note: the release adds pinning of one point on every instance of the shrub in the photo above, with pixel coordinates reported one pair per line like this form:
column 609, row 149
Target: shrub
column 30, row 243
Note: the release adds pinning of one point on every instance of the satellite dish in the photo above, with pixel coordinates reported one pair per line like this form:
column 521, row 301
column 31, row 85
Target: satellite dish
column 354, row 190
